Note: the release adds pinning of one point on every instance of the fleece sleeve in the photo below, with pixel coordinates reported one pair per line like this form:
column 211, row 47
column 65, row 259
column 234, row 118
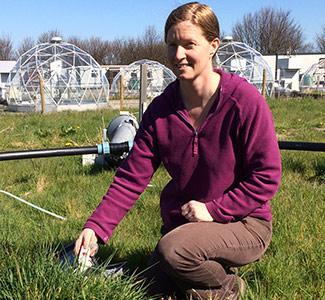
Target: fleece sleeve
column 131, row 178
column 261, row 164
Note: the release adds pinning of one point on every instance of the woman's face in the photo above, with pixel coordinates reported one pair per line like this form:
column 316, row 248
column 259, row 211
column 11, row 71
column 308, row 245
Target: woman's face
column 189, row 52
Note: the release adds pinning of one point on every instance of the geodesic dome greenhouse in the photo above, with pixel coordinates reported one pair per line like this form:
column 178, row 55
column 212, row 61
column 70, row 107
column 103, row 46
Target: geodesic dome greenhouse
column 66, row 76
column 313, row 79
column 158, row 77
column 241, row 59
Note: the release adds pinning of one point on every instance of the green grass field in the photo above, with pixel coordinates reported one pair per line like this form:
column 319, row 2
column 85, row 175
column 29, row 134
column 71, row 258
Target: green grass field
column 292, row 268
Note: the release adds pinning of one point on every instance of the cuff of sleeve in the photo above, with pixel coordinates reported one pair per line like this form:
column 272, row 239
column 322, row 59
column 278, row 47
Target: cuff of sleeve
column 215, row 211
column 100, row 233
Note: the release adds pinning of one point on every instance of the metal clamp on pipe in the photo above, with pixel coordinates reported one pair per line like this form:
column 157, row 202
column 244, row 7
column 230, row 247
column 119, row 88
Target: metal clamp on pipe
column 114, row 148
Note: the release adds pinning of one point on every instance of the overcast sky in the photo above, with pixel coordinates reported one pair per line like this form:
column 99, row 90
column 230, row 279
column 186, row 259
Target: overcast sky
column 129, row 18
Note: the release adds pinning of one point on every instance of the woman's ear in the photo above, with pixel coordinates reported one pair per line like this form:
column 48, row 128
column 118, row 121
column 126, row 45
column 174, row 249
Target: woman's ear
column 214, row 45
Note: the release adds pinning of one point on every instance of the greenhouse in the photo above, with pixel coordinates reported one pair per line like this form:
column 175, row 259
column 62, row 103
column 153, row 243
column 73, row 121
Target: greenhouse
column 158, row 77
column 58, row 76
column 313, row 79
column 239, row 58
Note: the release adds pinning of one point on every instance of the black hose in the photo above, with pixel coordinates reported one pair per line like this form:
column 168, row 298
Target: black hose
column 120, row 148
column 302, row 146
column 47, row 153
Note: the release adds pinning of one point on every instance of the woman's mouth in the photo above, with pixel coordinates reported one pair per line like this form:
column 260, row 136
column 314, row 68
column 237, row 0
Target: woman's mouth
column 181, row 66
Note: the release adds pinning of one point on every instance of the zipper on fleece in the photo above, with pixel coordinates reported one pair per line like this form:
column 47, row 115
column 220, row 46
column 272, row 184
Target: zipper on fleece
column 195, row 144
column 195, row 150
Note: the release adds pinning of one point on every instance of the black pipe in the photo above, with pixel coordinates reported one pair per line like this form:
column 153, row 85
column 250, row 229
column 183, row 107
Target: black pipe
column 120, row 148
column 25, row 154
column 302, row 146
column 114, row 148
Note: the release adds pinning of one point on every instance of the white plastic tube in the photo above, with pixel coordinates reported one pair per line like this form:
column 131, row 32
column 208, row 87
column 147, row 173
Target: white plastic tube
column 32, row 205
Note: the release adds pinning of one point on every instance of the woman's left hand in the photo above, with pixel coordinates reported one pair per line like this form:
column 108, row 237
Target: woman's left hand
column 196, row 211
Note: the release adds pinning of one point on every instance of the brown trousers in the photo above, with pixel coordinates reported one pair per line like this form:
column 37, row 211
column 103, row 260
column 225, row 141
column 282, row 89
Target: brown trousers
column 201, row 256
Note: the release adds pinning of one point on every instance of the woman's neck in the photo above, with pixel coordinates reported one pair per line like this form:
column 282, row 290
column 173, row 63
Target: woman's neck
column 199, row 91
column 198, row 97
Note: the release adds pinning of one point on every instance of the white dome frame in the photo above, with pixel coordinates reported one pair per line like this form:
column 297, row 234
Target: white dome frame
column 67, row 76
column 241, row 59
column 159, row 76
column 313, row 79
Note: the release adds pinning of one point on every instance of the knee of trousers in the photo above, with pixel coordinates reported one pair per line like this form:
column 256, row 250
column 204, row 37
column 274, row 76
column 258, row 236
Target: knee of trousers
column 174, row 256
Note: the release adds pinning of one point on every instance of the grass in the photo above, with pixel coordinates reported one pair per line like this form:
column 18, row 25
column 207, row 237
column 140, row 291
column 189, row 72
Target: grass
column 292, row 268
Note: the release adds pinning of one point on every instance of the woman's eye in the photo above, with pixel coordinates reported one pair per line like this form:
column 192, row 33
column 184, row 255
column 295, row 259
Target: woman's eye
column 190, row 45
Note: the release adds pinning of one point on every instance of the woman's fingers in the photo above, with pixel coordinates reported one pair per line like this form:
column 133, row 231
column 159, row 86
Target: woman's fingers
column 87, row 240
column 93, row 249
column 195, row 211
column 77, row 246
column 187, row 211
column 88, row 235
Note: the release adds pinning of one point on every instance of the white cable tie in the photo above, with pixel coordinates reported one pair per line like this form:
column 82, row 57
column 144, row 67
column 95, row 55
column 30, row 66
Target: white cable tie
column 33, row 205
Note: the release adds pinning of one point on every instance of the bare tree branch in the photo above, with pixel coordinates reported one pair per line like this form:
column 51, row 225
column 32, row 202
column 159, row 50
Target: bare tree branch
column 269, row 31
column 320, row 40
column 6, row 48
column 46, row 37
column 119, row 51
column 25, row 45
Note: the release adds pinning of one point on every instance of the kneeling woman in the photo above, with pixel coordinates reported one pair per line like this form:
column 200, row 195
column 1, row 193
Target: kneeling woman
column 214, row 134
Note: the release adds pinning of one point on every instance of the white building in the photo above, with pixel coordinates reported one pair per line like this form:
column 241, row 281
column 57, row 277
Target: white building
column 5, row 68
column 287, row 70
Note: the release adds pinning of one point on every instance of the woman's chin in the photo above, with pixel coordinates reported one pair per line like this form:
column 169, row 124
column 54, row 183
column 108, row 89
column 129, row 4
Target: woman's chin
column 184, row 76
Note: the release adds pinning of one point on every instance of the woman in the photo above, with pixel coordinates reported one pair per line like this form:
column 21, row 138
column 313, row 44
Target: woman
column 214, row 134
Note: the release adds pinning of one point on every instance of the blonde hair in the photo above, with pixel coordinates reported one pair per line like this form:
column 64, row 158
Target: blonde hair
column 199, row 14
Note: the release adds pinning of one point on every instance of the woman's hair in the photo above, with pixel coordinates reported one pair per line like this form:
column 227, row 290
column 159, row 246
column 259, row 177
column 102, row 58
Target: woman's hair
column 199, row 14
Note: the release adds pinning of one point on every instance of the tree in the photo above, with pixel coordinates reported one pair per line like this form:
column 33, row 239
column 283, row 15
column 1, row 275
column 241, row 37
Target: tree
column 149, row 46
column 119, row 51
column 269, row 31
column 77, row 42
column 152, row 43
column 307, row 48
column 6, row 48
column 320, row 40
column 25, row 45
column 98, row 48
column 46, row 37
column 154, row 47
column 114, row 57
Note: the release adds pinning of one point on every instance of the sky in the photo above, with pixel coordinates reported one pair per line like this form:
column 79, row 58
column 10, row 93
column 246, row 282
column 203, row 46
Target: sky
column 110, row 19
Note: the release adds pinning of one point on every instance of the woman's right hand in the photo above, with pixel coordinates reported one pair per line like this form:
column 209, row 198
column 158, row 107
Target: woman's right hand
column 88, row 240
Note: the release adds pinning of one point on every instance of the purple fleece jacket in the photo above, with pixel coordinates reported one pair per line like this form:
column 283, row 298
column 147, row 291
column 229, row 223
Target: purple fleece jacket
column 231, row 163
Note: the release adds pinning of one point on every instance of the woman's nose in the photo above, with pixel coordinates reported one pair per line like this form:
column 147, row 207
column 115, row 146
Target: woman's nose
column 179, row 53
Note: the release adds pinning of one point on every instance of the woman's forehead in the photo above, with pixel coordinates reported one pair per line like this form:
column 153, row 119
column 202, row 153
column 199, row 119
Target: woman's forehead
column 184, row 30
